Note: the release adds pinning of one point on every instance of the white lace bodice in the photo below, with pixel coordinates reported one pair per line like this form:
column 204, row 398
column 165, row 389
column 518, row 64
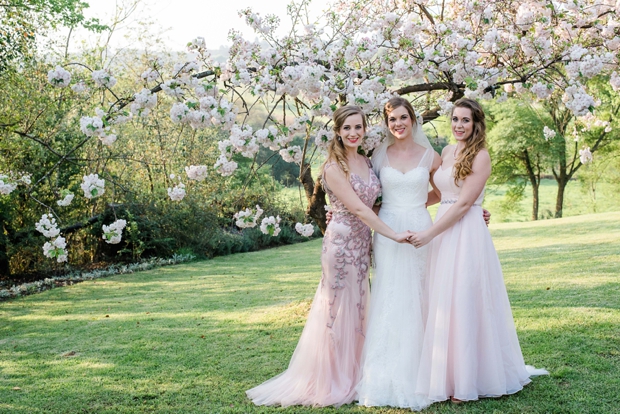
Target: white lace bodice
column 406, row 190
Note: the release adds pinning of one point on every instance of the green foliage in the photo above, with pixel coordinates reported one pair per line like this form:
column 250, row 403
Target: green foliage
column 22, row 22
column 192, row 338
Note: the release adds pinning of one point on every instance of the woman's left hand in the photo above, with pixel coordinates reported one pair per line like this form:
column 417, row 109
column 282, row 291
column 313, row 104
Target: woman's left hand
column 420, row 239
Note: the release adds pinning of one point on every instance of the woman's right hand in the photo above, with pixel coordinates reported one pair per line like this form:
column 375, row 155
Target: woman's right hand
column 403, row 237
column 328, row 217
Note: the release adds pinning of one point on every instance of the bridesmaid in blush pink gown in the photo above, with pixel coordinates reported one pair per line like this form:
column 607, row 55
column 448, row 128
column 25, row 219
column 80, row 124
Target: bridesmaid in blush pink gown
column 325, row 366
column 470, row 347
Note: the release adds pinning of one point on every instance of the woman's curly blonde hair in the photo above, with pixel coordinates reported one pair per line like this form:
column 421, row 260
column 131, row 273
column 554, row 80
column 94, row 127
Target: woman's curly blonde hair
column 474, row 143
column 335, row 149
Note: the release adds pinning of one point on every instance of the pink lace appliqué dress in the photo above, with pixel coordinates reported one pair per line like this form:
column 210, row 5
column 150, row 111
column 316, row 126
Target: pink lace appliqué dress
column 325, row 366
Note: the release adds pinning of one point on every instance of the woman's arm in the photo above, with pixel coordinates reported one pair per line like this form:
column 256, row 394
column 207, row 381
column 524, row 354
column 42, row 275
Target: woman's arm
column 472, row 187
column 340, row 186
column 434, row 196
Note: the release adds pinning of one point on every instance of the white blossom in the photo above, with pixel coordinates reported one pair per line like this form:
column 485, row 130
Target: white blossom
column 248, row 218
column 59, row 77
column 196, row 172
column 93, row 186
column 585, row 155
column 270, row 225
column 80, row 87
column 177, row 193
column 292, row 154
column 47, row 226
column 67, row 198
column 143, row 102
column 103, row 78
column 306, row 230
column 548, row 133
column 225, row 167
column 56, row 249
column 113, row 233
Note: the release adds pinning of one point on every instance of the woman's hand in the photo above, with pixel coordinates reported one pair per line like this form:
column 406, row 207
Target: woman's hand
column 403, row 237
column 328, row 218
column 486, row 215
column 420, row 239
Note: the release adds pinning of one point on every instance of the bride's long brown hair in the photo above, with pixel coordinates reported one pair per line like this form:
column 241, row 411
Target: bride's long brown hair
column 474, row 143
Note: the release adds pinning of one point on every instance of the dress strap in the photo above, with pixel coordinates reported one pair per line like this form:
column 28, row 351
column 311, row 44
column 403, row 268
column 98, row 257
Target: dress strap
column 427, row 159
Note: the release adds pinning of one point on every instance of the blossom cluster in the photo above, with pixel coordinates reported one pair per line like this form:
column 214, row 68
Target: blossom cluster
column 59, row 77
column 196, row 172
column 103, row 78
column 270, row 225
column 306, row 230
column 585, row 155
column 10, row 181
column 548, row 133
column 93, row 186
column 248, row 218
column 67, row 198
column 113, row 233
column 54, row 249
column 177, row 193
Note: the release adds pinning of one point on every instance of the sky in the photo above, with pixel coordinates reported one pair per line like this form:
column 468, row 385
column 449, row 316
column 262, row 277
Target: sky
column 184, row 20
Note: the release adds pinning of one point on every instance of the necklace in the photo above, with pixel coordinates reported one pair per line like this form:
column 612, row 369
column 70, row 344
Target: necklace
column 454, row 153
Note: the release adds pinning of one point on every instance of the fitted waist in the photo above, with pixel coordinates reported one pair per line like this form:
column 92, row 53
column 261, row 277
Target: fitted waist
column 454, row 200
column 387, row 205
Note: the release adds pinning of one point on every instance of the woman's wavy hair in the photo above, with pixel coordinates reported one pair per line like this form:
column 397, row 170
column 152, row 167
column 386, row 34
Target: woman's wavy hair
column 474, row 143
column 335, row 149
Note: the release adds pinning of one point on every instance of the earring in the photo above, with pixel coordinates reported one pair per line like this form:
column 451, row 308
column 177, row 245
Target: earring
column 339, row 138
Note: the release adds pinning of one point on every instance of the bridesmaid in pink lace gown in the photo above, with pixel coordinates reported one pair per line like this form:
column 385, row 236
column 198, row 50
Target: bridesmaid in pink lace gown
column 325, row 366
column 470, row 347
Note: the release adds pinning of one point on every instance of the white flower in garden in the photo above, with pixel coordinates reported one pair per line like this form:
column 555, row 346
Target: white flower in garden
column 67, row 198
column 177, row 193
column 577, row 100
column 270, row 225
column 306, row 230
column 143, row 102
column 585, row 155
column 56, row 249
column 80, row 87
column 108, row 139
column 541, row 90
column 225, row 167
column 92, row 126
column 113, row 233
column 198, row 43
column 292, row 154
column 248, row 218
column 196, row 172
column 59, row 77
column 615, row 81
column 47, row 226
column 548, row 133
column 373, row 138
column 7, row 185
column 150, row 75
column 185, row 67
column 179, row 112
column 93, row 186
column 103, row 78
column 173, row 87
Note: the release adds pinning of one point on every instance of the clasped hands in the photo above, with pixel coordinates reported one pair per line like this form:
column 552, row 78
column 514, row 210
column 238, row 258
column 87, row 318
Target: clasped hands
column 416, row 239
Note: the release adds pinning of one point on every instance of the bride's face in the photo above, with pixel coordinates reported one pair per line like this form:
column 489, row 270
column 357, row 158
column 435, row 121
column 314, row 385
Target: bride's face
column 400, row 123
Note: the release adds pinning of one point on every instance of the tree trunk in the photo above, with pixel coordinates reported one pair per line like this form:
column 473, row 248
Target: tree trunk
column 534, row 180
column 535, row 201
column 5, row 270
column 559, row 201
column 315, row 196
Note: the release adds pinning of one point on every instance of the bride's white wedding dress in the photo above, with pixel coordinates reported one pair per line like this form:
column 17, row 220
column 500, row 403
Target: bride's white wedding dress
column 395, row 329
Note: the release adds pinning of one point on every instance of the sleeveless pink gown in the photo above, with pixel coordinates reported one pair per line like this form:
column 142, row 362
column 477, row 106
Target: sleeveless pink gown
column 325, row 366
column 470, row 347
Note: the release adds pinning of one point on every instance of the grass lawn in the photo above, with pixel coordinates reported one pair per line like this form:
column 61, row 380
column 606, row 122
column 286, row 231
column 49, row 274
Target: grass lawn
column 192, row 338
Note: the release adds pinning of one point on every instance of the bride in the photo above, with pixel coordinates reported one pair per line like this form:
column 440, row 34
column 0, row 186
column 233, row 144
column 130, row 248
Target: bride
column 404, row 163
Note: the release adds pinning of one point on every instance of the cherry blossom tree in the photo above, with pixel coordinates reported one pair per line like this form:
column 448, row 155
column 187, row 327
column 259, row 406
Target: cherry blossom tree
column 361, row 52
